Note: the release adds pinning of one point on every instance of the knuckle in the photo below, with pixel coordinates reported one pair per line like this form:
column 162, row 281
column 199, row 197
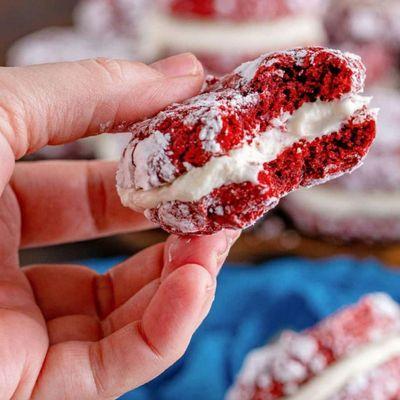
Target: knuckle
column 145, row 339
column 118, row 71
column 157, row 92
column 104, row 296
column 100, row 382
column 98, row 197
column 112, row 69
column 13, row 117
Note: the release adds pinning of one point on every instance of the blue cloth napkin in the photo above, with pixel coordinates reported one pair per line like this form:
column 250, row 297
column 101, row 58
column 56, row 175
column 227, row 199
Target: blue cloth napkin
column 251, row 307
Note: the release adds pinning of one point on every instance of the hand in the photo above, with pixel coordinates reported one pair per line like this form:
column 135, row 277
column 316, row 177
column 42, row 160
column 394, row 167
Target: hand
column 65, row 331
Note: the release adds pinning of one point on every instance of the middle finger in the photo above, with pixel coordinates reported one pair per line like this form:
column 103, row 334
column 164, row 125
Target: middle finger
column 66, row 201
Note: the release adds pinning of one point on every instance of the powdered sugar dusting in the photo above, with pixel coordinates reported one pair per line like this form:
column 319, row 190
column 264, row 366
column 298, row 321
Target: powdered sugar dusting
column 180, row 217
column 208, row 134
column 152, row 164
column 249, row 69
column 209, row 114
column 385, row 306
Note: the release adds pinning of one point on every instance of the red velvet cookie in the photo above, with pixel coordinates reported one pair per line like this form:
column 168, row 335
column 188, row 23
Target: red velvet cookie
column 346, row 356
column 66, row 44
column 115, row 17
column 224, row 158
column 345, row 216
column 103, row 28
column 240, row 10
column 381, row 383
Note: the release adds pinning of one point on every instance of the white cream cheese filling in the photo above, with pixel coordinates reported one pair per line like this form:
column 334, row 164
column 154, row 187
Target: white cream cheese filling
column 335, row 378
column 339, row 203
column 225, row 37
column 310, row 121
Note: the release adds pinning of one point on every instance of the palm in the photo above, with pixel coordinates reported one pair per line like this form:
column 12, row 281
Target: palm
column 67, row 332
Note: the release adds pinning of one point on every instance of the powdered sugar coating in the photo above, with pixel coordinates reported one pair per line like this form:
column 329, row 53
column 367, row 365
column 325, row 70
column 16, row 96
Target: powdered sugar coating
column 152, row 154
column 281, row 369
column 249, row 69
column 232, row 113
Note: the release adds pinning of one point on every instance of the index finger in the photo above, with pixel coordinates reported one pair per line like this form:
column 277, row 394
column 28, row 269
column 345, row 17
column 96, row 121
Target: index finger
column 66, row 201
column 59, row 103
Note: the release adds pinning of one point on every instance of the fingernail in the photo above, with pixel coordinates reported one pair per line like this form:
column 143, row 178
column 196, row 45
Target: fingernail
column 179, row 65
column 230, row 236
column 209, row 297
column 211, row 284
